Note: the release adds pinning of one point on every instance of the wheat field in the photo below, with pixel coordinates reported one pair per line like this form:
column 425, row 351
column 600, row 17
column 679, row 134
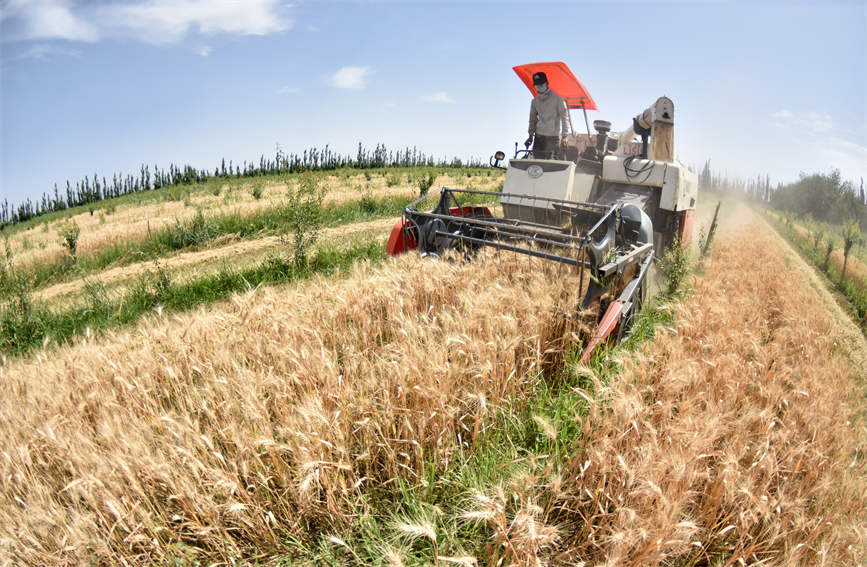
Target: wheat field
column 229, row 434
column 735, row 438
column 228, row 429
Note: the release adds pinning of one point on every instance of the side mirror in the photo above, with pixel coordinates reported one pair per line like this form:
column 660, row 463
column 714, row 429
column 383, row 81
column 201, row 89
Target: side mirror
column 497, row 158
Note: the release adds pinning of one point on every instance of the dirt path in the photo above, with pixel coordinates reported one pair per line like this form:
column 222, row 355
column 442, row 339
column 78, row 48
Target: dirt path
column 241, row 250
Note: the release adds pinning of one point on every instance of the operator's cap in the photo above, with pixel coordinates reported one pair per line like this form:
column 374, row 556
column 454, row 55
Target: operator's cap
column 540, row 78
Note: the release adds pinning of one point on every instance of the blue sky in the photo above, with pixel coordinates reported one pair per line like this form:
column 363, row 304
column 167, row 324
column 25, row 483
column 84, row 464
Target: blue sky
column 90, row 87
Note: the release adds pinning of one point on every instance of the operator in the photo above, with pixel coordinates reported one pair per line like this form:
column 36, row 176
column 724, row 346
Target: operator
column 549, row 120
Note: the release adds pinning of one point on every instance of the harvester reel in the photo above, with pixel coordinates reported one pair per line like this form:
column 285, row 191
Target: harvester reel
column 430, row 242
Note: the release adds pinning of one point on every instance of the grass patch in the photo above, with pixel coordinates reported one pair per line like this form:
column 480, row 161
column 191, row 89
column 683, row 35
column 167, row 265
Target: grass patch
column 25, row 326
column 855, row 295
column 200, row 230
column 527, row 442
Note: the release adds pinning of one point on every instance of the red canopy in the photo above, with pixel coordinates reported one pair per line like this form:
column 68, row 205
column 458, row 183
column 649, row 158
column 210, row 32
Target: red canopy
column 560, row 80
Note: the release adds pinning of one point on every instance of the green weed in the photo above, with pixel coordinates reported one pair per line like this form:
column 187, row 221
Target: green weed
column 674, row 265
column 69, row 233
column 26, row 325
column 303, row 213
column 393, row 178
column 424, row 181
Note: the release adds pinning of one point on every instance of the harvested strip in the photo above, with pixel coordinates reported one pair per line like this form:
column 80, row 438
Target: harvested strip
column 732, row 439
column 132, row 221
column 244, row 248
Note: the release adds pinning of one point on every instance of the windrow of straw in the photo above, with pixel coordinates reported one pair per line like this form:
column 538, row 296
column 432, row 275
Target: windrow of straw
column 733, row 439
column 229, row 432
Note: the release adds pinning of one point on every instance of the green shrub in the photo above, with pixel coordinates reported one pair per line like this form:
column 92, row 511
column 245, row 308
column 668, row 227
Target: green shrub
column 424, row 183
column 829, row 247
column 258, row 187
column 818, row 235
column 851, row 235
column 96, row 296
column 153, row 285
column 303, row 211
column 18, row 323
column 69, row 233
column 392, row 178
column 368, row 204
column 175, row 194
column 193, row 232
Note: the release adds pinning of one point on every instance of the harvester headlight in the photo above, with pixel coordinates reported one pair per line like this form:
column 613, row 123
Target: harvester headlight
column 534, row 171
column 497, row 158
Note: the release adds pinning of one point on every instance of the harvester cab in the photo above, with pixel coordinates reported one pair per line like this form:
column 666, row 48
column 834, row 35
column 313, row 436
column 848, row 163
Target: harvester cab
column 606, row 203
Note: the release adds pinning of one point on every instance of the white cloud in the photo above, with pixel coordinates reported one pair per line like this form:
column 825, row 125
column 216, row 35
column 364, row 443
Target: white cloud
column 312, row 29
column 47, row 19
column 152, row 21
column 167, row 21
column 43, row 52
column 849, row 157
column 440, row 96
column 288, row 90
column 205, row 50
column 350, row 77
column 819, row 122
column 811, row 122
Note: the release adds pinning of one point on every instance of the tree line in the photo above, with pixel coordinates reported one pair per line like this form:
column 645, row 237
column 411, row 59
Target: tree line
column 825, row 197
column 92, row 189
column 758, row 188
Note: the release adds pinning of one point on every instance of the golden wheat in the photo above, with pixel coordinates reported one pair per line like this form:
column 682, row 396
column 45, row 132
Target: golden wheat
column 733, row 438
column 226, row 429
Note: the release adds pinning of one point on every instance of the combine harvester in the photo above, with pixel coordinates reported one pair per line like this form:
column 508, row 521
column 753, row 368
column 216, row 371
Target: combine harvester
column 609, row 206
